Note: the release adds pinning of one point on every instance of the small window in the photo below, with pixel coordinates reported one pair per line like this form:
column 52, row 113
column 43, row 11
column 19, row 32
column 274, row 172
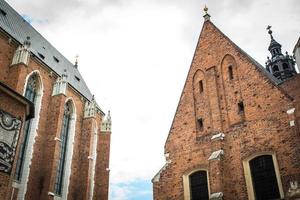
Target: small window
column 241, row 107
column 230, row 72
column 41, row 55
column 201, row 86
column 78, row 79
column 275, row 68
column 200, row 124
column 3, row 12
column 56, row 59
column 285, row 66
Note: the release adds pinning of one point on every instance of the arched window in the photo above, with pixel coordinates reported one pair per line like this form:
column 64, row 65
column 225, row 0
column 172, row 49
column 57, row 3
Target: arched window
column 230, row 72
column 275, row 68
column 264, row 179
column 64, row 136
column 31, row 94
column 198, row 185
column 285, row 66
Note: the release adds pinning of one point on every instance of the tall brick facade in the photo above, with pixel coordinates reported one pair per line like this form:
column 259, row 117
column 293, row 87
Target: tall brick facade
column 231, row 112
column 59, row 91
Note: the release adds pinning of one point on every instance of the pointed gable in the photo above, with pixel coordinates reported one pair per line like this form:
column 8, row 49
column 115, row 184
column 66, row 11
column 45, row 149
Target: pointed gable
column 204, row 103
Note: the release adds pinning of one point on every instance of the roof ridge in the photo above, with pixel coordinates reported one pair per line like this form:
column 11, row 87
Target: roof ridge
column 18, row 28
column 251, row 59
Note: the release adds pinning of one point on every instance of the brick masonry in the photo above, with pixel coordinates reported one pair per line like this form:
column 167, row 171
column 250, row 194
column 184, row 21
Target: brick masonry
column 46, row 148
column 263, row 126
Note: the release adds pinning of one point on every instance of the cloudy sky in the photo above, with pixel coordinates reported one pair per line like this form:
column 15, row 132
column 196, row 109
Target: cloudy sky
column 135, row 55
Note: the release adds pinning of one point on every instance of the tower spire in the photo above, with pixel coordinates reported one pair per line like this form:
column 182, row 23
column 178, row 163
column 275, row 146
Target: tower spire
column 282, row 67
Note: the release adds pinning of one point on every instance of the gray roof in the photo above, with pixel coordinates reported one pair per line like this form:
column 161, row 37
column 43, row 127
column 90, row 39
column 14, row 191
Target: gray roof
column 14, row 24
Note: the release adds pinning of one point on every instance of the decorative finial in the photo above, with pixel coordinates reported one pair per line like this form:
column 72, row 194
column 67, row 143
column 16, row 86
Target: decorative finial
column 205, row 9
column 93, row 97
column 206, row 16
column 27, row 42
column 76, row 60
column 270, row 31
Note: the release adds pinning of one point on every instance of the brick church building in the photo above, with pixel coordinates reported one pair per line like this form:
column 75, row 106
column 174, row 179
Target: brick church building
column 235, row 134
column 54, row 138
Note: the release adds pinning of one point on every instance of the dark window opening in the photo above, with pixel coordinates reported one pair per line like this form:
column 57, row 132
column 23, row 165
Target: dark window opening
column 41, row 55
column 3, row 12
column 241, row 107
column 201, row 86
column 199, row 186
column 78, row 79
column 275, row 68
column 200, row 124
column 264, row 178
column 56, row 59
column 285, row 66
column 230, row 72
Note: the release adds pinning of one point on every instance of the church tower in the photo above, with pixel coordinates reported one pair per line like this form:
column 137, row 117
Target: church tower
column 281, row 66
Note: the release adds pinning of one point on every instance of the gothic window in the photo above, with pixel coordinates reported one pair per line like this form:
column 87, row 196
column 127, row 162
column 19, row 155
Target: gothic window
column 264, row 179
column 285, row 66
column 200, row 124
column 201, row 86
column 63, row 148
column 275, row 68
column 198, row 185
column 30, row 94
column 230, row 72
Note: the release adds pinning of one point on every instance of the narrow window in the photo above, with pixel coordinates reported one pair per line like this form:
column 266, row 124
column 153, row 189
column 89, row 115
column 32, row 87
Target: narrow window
column 3, row 12
column 199, row 186
column 201, row 86
column 63, row 148
column 41, row 56
column 230, row 72
column 264, row 178
column 77, row 78
column 200, row 124
column 56, row 59
column 30, row 94
column 241, row 107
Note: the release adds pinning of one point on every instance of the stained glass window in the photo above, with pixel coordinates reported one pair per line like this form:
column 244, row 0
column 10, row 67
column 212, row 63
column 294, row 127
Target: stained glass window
column 63, row 148
column 30, row 94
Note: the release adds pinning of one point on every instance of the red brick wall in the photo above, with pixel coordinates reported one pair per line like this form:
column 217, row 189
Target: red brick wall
column 46, row 149
column 263, row 127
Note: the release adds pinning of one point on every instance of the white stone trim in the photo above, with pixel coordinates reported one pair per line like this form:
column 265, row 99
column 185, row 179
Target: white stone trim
column 216, row 196
column 292, row 123
column 60, row 85
column 216, row 155
column 57, row 139
column 21, row 55
column 94, row 160
column 32, row 135
column 218, row 136
column 69, row 156
column 290, row 111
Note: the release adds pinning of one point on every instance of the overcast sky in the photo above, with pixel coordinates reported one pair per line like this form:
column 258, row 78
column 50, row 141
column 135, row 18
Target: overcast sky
column 135, row 55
